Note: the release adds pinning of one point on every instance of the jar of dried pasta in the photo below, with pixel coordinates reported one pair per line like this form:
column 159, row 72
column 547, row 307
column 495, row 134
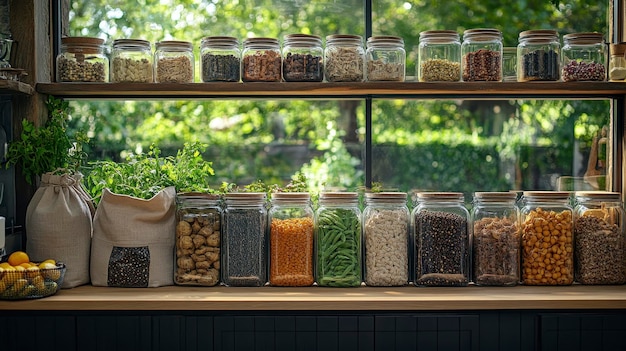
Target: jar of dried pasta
column 82, row 59
column 261, row 60
column 385, row 59
column 174, row 62
column 344, row 58
column 131, row 61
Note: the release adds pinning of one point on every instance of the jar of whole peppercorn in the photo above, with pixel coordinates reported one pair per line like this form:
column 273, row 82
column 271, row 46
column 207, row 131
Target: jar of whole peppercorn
column 131, row 61
column 547, row 238
column 440, row 224
column 344, row 58
column 261, row 60
column 173, row 62
column 584, row 57
column 303, row 58
column 617, row 62
column 220, row 59
column 439, row 56
column 82, row 59
column 481, row 52
column 291, row 240
column 538, row 56
column 385, row 59
column 600, row 244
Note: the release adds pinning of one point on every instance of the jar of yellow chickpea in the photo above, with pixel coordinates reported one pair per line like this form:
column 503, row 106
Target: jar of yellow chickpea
column 547, row 238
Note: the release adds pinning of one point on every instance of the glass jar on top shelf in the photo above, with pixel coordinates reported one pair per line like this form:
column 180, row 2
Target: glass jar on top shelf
column 174, row 62
column 481, row 53
column 261, row 60
column 538, row 56
column 344, row 58
column 82, row 59
column 131, row 61
column 617, row 62
column 303, row 58
column 220, row 59
column 385, row 59
column 584, row 57
column 439, row 56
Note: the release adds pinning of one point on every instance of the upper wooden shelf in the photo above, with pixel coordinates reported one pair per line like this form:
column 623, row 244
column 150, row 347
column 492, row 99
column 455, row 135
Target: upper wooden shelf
column 12, row 87
column 471, row 90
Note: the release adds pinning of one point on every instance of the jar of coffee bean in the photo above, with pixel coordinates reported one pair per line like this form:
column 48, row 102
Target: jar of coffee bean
column 303, row 58
column 261, row 60
column 481, row 52
column 439, row 56
column 385, row 59
column 131, row 61
column 538, row 56
column 584, row 57
column 82, row 59
column 344, row 58
column 220, row 59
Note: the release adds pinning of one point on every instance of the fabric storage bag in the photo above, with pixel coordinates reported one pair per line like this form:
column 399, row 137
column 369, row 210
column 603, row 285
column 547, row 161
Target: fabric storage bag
column 133, row 240
column 59, row 225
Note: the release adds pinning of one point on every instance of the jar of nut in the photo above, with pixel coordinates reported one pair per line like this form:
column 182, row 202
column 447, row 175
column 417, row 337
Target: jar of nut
column 481, row 52
column 303, row 58
column 82, row 59
column 261, row 60
column 600, row 245
column 583, row 57
column 385, row 59
column 220, row 59
column 386, row 239
column 538, row 55
column 198, row 239
column 439, row 56
column 547, row 238
column 344, row 58
column 131, row 61
column 173, row 62
column 291, row 240
column 496, row 239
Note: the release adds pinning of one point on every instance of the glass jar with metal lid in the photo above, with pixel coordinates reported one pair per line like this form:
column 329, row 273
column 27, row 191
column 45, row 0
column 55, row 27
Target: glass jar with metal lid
column 600, row 244
column 303, row 58
column 538, row 55
column 220, row 59
column 174, row 62
column 547, row 238
column 385, row 59
column 82, row 59
column 583, row 57
column 344, row 58
column 261, row 60
column 439, row 56
column 131, row 61
column 617, row 62
column 440, row 225
column 481, row 53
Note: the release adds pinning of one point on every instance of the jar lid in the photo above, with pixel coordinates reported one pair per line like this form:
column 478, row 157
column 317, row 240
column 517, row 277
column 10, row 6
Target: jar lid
column 260, row 41
column 440, row 196
column 131, row 43
column 219, row 41
column 344, row 37
column 495, row 196
column 618, row 48
column 584, row 38
column 245, row 197
column 599, row 195
column 439, row 35
column 386, row 195
column 482, row 33
column 197, row 198
column 385, row 40
column 291, row 196
column 546, row 195
column 302, row 40
column 86, row 45
column 173, row 44
column 338, row 196
column 539, row 33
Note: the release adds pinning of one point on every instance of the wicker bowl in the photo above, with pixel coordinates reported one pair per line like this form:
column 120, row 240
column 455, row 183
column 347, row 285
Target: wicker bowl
column 19, row 285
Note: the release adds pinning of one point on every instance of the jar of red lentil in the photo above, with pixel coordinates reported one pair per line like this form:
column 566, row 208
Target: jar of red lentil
column 291, row 240
column 261, row 60
column 583, row 57
column 481, row 53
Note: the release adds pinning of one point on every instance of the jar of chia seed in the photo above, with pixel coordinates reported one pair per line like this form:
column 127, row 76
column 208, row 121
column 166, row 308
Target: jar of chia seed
column 344, row 58
column 261, row 60
column 291, row 221
column 439, row 56
column 82, row 59
column 481, row 55
column 583, row 57
column 174, row 62
column 220, row 59
column 131, row 61
column 385, row 59
column 303, row 58
column 440, row 225
column 338, row 240
column 538, row 56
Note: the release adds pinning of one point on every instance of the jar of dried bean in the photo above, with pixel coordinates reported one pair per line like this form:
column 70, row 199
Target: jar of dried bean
column 131, row 61
column 439, row 56
column 198, row 239
column 338, row 240
column 386, row 239
column 547, row 238
column 291, row 240
column 82, row 59
column 600, row 245
column 617, row 62
column 173, row 62
column 303, row 58
column 220, row 59
column 244, row 248
column 385, row 59
column 584, row 57
column 538, row 55
column 440, row 225
column 261, row 60
column 344, row 58
column 481, row 52
column 496, row 239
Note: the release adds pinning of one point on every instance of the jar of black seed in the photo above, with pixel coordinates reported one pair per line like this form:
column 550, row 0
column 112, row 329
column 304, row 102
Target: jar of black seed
column 385, row 59
column 244, row 246
column 538, row 56
column 261, row 60
column 303, row 58
column 344, row 58
column 440, row 224
column 481, row 55
column 584, row 57
column 220, row 59
column 439, row 56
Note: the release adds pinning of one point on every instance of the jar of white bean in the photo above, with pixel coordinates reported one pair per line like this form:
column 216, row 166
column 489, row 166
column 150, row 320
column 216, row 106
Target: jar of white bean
column 131, row 61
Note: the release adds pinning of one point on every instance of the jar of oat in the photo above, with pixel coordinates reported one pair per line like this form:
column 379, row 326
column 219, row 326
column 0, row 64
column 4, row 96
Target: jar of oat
column 439, row 56
column 617, row 62
column 547, row 238
column 481, row 53
column 220, row 59
column 291, row 240
column 173, row 62
column 344, row 58
column 583, row 57
column 385, row 59
column 496, row 239
column 600, row 245
column 440, row 224
column 261, row 60
column 131, row 61
column 198, row 239
column 82, row 59
column 386, row 239
column 538, row 55
column 303, row 58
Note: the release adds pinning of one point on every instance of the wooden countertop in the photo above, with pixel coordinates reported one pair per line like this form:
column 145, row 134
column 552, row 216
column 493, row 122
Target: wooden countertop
column 408, row 298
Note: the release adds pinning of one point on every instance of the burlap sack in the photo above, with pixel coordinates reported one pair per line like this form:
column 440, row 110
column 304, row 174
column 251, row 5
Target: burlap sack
column 133, row 240
column 59, row 225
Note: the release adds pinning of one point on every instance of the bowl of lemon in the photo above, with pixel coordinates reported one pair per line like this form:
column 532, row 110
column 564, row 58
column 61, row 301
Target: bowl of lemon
column 22, row 279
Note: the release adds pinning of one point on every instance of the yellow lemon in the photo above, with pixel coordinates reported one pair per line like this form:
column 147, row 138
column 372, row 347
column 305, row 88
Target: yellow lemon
column 50, row 261
column 39, row 283
column 47, row 265
column 6, row 265
column 17, row 258
column 51, row 272
column 32, row 272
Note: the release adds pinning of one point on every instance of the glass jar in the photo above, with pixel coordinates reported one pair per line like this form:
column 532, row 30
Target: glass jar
column 538, row 55
column 440, row 224
column 82, row 59
column 291, row 240
column 439, row 56
column 386, row 239
column 338, row 240
column 547, row 238
column 303, row 58
column 131, row 61
column 198, row 239
column 509, row 64
column 220, row 59
column 244, row 250
column 481, row 52
column 496, row 239
column 344, row 58
column 173, row 62
column 584, row 57
column 385, row 59
column 261, row 60
column 617, row 63
column 600, row 245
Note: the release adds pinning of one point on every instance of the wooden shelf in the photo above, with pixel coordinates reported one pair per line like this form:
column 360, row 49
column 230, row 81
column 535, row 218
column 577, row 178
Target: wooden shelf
column 408, row 298
column 12, row 87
